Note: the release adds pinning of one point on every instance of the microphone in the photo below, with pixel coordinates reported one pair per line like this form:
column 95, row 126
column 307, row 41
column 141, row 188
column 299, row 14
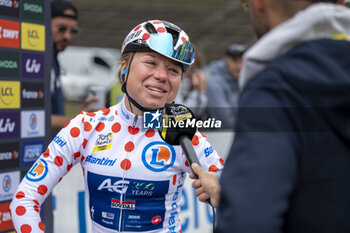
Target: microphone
column 178, row 129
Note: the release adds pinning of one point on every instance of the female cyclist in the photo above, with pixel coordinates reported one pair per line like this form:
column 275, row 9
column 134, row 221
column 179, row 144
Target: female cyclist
column 133, row 178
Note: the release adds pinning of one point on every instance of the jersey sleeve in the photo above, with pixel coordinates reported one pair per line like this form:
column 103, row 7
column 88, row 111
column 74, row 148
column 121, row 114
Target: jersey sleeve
column 61, row 155
column 207, row 156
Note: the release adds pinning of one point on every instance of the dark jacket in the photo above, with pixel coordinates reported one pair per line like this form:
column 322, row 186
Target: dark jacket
column 289, row 167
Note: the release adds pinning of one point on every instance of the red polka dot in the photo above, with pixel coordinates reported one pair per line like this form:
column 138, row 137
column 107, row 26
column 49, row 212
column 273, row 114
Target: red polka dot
column 76, row 155
column 187, row 164
column 82, row 158
column 83, row 120
column 20, row 195
column 203, row 135
column 222, row 162
column 125, row 164
column 42, row 189
column 100, row 127
column 66, row 124
column 36, row 208
column 174, row 179
column 150, row 133
column 183, row 39
column 20, row 210
column 25, row 228
column 81, row 112
column 105, row 111
column 213, row 168
column 195, row 140
column 116, row 127
column 36, row 202
column 157, row 22
column 133, row 130
column 60, row 180
column 145, row 36
column 137, row 28
column 84, row 143
column 91, row 114
column 161, row 29
column 46, row 153
column 41, row 226
column 116, row 112
column 69, row 167
column 87, row 126
column 58, row 161
column 75, row 132
column 129, row 147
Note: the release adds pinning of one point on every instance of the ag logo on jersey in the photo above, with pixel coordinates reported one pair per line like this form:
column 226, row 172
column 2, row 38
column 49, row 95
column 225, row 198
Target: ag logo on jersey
column 38, row 171
column 158, row 156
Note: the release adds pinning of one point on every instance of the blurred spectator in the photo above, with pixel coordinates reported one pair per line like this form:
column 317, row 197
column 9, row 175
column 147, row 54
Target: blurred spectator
column 192, row 88
column 222, row 90
column 64, row 25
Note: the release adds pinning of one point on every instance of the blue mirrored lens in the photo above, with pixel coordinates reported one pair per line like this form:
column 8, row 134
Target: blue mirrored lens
column 163, row 44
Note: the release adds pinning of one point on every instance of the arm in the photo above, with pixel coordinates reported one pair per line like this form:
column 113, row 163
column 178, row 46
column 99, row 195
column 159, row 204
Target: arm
column 42, row 177
column 261, row 169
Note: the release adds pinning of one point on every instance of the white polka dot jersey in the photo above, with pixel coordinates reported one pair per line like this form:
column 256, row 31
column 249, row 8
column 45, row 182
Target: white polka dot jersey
column 133, row 179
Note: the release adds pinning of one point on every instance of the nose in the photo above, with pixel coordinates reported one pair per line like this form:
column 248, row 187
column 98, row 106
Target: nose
column 161, row 73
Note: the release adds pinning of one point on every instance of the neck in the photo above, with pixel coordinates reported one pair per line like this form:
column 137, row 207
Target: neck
column 132, row 108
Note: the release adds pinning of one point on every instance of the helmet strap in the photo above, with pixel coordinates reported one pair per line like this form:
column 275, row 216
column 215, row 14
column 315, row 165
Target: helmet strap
column 124, row 89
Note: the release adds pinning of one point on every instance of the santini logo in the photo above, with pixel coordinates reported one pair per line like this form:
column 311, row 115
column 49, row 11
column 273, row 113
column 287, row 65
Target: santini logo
column 100, row 161
column 59, row 141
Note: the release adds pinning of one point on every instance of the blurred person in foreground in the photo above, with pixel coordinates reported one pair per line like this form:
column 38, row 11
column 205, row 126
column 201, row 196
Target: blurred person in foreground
column 192, row 88
column 64, row 25
column 133, row 179
column 289, row 166
column 222, row 90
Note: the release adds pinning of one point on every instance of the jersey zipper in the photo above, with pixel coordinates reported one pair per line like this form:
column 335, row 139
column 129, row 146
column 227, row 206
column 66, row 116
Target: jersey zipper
column 121, row 219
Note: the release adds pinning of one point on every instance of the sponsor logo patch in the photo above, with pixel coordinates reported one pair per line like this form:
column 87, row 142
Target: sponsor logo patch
column 9, row 64
column 9, row 33
column 158, row 156
column 9, row 183
column 38, row 171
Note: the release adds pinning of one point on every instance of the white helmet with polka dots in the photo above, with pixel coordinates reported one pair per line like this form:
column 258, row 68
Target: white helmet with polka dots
column 162, row 37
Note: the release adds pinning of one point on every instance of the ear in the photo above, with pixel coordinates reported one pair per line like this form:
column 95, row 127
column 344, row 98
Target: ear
column 258, row 6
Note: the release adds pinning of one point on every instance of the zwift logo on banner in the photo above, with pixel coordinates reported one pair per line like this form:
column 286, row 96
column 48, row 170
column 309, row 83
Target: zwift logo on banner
column 5, row 217
column 33, row 9
column 9, row 33
column 32, row 124
column 33, row 36
column 32, row 65
column 9, row 64
column 9, row 94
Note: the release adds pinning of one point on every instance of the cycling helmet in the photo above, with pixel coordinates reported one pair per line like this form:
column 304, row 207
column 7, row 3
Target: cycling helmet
column 162, row 37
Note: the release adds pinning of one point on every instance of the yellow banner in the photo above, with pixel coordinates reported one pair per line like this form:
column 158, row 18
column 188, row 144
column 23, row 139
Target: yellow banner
column 10, row 94
column 33, row 36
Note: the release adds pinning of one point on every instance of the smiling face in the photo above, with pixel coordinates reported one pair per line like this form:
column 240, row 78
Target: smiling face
column 153, row 80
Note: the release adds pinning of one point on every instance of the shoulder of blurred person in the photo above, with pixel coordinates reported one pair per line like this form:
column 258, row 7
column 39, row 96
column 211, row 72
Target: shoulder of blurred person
column 301, row 82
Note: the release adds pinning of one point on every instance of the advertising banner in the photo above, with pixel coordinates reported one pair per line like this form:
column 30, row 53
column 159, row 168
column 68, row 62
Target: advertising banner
column 9, row 155
column 9, row 183
column 32, row 124
column 9, row 125
column 33, row 36
column 9, row 94
column 9, row 64
column 9, row 33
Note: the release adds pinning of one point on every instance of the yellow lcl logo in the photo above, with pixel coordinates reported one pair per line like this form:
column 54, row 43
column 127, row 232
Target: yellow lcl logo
column 9, row 94
column 33, row 36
